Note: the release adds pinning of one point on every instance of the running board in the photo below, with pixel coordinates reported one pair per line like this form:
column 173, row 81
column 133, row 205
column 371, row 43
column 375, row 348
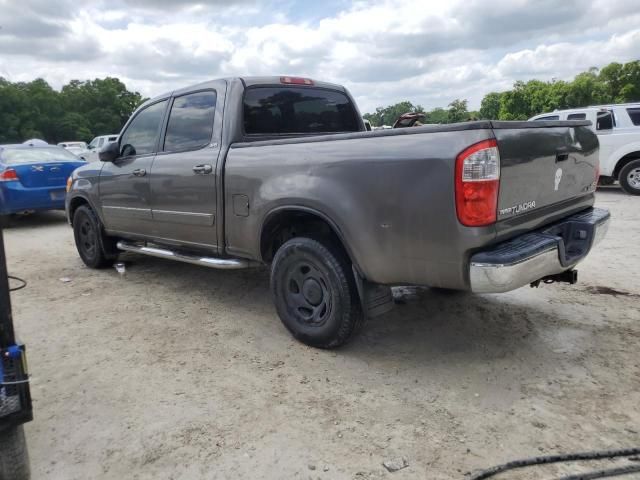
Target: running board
column 211, row 262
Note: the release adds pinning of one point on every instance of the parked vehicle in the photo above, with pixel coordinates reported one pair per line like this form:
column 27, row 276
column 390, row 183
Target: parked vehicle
column 280, row 171
column 618, row 130
column 33, row 177
column 91, row 153
column 77, row 148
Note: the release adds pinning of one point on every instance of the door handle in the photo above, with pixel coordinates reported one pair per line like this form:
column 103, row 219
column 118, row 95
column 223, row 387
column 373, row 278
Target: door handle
column 139, row 172
column 202, row 169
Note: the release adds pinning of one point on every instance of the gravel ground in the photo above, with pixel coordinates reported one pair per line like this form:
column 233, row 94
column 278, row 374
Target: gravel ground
column 174, row 371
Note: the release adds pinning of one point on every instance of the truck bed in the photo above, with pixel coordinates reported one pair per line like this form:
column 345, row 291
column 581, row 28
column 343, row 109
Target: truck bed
column 391, row 193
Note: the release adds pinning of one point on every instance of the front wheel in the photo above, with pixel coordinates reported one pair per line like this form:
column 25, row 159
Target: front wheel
column 315, row 293
column 630, row 177
column 14, row 458
column 95, row 249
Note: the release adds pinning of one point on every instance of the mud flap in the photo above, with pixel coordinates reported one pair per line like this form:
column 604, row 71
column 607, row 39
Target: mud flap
column 375, row 299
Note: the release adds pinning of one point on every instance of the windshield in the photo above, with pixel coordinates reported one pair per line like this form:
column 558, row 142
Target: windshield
column 37, row 155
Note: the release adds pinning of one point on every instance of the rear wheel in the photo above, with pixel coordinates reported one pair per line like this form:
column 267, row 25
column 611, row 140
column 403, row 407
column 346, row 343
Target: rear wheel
column 630, row 177
column 96, row 249
column 315, row 293
column 14, row 457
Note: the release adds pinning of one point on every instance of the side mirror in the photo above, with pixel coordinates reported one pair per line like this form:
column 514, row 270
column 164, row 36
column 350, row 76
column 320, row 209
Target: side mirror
column 109, row 152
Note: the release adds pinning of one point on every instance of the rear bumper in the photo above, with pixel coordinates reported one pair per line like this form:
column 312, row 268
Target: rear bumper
column 533, row 256
column 14, row 198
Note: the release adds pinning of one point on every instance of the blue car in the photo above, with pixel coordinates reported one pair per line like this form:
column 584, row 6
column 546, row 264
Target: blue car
column 34, row 177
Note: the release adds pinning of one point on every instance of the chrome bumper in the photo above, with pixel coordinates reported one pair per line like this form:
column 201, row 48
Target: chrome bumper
column 533, row 256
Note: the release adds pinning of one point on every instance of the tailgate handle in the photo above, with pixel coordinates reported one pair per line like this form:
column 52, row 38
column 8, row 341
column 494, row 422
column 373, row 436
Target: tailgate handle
column 561, row 157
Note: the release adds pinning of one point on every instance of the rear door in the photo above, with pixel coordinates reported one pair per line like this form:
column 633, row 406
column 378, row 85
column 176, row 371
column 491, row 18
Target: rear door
column 545, row 167
column 183, row 175
column 124, row 183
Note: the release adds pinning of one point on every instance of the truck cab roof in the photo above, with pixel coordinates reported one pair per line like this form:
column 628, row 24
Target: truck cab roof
column 250, row 81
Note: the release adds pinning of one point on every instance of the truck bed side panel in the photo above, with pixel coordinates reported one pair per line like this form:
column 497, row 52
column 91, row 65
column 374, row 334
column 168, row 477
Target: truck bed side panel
column 391, row 197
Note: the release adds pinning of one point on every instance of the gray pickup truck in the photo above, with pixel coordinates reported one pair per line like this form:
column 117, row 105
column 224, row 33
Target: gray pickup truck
column 240, row 172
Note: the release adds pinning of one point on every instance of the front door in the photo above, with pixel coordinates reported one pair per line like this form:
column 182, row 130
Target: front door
column 183, row 174
column 124, row 183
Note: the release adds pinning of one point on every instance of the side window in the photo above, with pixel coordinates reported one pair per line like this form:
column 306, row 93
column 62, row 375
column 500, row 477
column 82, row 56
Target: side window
column 101, row 142
column 577, row 116
column 140, row 136
column 634, row 113
column 548, row 117
column 190, row 121
column 604, row 121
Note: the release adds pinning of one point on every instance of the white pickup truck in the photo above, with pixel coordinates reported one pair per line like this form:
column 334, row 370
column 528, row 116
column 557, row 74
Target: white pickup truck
column 618, row 130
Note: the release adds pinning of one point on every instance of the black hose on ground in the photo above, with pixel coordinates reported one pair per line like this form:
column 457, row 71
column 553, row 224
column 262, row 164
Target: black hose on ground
column 17, row 279
column 569, row 457
column 612, row 472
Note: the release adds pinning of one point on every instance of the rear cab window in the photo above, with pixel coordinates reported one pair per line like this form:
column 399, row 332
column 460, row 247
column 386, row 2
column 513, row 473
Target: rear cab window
column 296, row 110
column 577, row 116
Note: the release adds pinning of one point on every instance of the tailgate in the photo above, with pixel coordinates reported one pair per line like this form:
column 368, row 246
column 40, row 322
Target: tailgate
column 543, row 164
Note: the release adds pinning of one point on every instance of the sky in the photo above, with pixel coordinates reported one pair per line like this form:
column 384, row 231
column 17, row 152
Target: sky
column 427, row 52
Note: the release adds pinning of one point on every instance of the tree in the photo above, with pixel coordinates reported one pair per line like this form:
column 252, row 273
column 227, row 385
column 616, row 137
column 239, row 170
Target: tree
column 490, row 106
column 80, row 111
column 614, row 83
column 388, row 115
column 437, row 115
column 458, row 111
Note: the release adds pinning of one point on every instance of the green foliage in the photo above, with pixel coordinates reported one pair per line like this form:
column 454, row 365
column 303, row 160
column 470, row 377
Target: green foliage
column 388, row 115
column 457, row 111
column 615, row 83
column 80, row 111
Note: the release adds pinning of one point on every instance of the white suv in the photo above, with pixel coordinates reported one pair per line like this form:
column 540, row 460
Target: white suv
column 618, row 129
column 91, row 154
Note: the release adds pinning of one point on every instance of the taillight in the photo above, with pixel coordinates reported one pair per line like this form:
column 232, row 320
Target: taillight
column 9, row 175
column 477, row 184
column 296, row 81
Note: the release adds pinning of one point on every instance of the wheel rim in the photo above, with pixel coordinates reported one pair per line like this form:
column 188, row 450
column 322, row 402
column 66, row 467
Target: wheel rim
column 307, row 294
column 633, row 178
column 87, row 237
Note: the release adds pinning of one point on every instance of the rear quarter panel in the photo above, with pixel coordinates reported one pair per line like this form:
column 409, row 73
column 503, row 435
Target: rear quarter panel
column 390, row 196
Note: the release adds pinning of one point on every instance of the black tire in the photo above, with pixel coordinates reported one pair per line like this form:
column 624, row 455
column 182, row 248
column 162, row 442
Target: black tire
column 14, row 457
column 629, row 177
column 96, row 249
column 605, row 181
column 315, row 293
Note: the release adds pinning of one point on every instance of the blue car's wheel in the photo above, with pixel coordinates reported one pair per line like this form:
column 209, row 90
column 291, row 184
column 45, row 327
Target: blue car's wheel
column 95, row 248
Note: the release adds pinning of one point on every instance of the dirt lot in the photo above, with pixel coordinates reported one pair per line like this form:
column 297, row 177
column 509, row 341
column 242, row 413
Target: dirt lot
column 180, row 372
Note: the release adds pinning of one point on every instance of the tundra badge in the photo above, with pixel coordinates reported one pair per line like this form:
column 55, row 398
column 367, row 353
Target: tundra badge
column 523, row 207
